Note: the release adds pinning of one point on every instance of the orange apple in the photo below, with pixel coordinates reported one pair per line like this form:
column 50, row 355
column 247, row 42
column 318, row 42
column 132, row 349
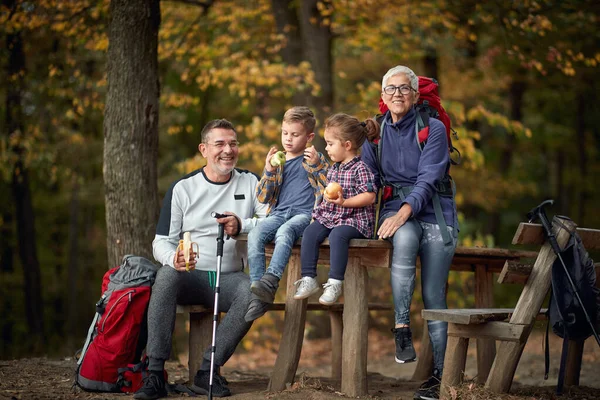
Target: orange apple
column 332, row 190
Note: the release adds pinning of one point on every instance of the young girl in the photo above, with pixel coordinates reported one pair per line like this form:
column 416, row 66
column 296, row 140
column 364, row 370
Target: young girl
column 347, row 214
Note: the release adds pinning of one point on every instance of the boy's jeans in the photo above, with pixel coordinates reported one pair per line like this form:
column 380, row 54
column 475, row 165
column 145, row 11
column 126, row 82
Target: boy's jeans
column 425, row 240
column 285, row 227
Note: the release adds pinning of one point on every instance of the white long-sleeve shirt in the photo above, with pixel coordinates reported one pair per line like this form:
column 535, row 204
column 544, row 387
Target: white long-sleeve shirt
column 187, row 207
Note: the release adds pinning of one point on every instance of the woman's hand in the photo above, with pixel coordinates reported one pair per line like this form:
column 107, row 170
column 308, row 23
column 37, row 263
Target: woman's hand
column 392, row 224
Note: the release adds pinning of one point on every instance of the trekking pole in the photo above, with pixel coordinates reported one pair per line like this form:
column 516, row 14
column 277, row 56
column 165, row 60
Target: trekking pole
column 540, row 213
column 213, row 347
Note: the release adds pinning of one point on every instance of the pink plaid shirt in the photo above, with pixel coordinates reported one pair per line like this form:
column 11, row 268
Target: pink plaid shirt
column 355, row 177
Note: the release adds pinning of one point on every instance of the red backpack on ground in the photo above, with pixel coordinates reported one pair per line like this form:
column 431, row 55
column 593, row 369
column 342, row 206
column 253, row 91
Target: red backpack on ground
column 429, row 105
column 110, row 360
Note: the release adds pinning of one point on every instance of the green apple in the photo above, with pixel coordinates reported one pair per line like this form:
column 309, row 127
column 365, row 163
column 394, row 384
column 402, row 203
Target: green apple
column 278, row 159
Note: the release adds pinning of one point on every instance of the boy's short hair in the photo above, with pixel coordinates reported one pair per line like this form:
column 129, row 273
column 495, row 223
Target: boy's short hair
column 303, row 115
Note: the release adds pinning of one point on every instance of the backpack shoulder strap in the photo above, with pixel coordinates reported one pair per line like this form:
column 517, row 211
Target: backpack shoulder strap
column 422, row 122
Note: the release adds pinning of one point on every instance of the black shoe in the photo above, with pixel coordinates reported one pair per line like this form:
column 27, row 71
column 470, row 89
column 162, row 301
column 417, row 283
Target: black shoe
column 153, row 387
column 256, row 309
column 266, row 288
column 201, row 384
column 430, row 390
column 405, row 352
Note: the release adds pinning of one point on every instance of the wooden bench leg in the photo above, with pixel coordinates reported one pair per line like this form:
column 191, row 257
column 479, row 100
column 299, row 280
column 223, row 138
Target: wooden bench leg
column 454, row 363
column 335, row 318
column 573, row 367
column 484, row 298
column 424, row 368
column 199, row 340
column 355, row 336
column 293, row 331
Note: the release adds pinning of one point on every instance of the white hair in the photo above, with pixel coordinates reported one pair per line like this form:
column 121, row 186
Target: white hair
column 401, row 69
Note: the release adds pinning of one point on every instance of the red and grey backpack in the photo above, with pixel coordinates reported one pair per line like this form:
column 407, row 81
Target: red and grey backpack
column 110, row 360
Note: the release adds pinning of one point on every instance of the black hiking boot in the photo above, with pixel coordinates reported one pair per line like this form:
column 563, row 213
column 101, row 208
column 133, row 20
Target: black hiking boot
column 405, row 352
column 201, row 384
column 256, row 309
column 430, row 390
column 266, row 288
column 153, row 387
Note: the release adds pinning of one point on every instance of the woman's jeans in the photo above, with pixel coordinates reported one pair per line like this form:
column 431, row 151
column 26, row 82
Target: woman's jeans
column 339, row 240
column 285, row 228
column 425, row 240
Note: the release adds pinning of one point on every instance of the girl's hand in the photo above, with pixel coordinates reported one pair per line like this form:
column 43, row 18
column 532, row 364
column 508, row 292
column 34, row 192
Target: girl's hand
column 392, row 224
column 311, row 156
column 339, row 200
column 268, row 165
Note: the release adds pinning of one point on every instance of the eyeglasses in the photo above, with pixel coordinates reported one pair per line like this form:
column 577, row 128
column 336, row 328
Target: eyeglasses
column 391, row 89
column 219, row 144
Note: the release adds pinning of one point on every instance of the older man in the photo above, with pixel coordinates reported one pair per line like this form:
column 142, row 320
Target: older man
column 187, row 207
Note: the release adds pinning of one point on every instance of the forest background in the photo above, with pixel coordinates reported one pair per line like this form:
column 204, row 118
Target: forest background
column 101, row 104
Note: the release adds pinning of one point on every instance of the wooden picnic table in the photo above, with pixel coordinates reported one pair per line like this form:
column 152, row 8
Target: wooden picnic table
column 363, row 254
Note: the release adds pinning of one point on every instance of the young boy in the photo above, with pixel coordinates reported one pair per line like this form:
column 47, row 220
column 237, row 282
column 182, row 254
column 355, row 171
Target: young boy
column 291, row 190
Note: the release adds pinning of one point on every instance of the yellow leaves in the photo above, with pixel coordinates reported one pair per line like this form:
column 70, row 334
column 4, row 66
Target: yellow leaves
column 495, row 119
column 191, row 164
column 179, row 100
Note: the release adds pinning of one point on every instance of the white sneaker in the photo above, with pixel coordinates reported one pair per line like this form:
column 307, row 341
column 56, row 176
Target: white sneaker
column 332, row 292
column 307, row 286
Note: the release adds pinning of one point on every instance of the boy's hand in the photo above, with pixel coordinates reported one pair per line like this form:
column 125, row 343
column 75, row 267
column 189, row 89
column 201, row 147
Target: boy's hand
column 311, row 156
column 268, row 165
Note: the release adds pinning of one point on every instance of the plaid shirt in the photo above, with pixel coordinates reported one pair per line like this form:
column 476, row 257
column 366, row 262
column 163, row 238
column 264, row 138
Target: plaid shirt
column 355, row 177
column 269, row 186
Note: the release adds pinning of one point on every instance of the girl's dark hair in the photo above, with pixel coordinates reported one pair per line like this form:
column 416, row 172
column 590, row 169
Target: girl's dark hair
column 350, row 129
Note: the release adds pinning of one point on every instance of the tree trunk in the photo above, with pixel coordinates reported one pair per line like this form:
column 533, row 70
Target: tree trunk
column 316, row 43
column 582, row 160
column 286, row 20
column 430, row 64
column 516, row 92
column 131, row 128
column 6, row 232
column 73, row 262
column 24, row 216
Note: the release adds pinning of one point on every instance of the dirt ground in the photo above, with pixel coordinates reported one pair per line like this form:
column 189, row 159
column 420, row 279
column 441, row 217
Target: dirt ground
column 248, row 375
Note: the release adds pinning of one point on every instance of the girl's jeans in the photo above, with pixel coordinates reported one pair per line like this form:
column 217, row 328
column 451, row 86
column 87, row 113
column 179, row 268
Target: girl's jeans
column 339, row 238
column 285, row 228
column 425, row 240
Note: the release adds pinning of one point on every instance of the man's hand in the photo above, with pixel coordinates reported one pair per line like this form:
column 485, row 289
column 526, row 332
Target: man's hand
column 179, row 261
column 268, row 165
column 311, row 156
column 392, row 224
column 231, row 223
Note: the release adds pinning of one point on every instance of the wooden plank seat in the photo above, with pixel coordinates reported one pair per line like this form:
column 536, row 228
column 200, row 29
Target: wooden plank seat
column 511, row 327
column 518, row 272
column 201, row 324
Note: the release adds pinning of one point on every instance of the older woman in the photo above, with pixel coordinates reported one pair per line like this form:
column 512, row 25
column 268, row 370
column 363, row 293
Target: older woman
column 414, row 189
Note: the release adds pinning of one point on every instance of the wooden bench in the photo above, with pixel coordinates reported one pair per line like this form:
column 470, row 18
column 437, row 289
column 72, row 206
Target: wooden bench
column 511, row 327
column 365, row 254
column 201, row 324
column 349, row 351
